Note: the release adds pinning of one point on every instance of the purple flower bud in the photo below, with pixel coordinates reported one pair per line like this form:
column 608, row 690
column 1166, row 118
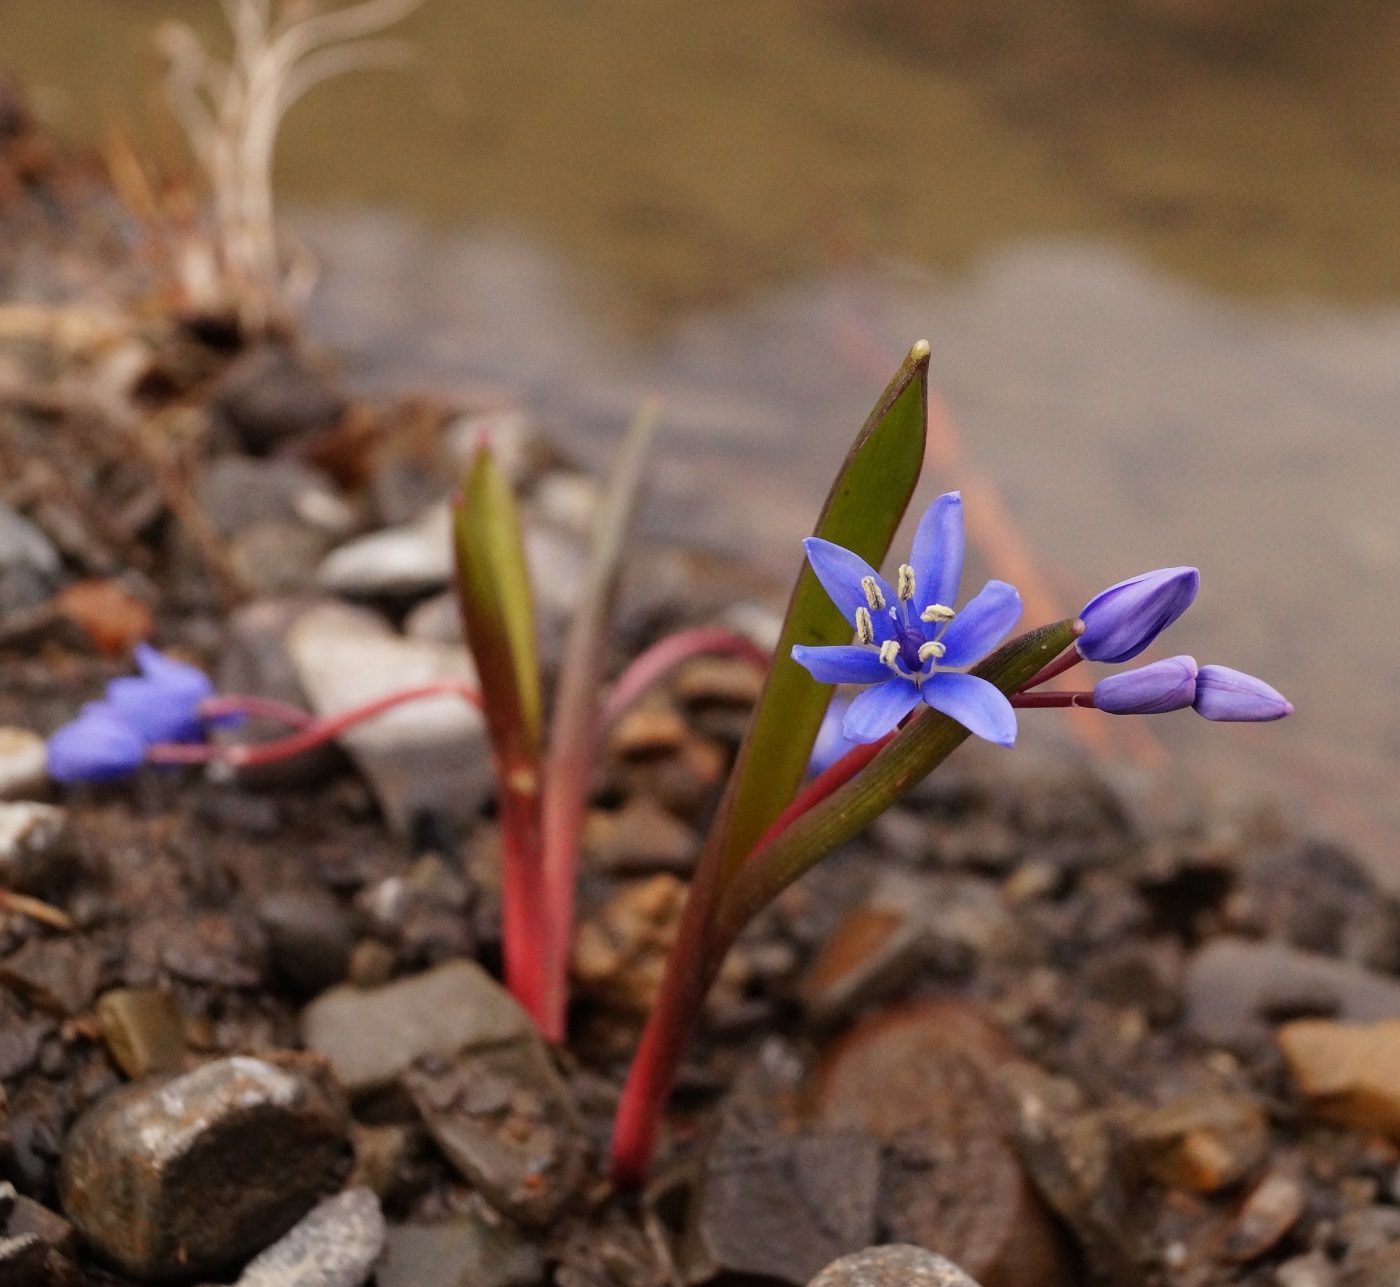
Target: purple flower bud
column 1151, row 690
column 161, row 704
column 97, row 746
column 1225, row 694
column 1121, row 621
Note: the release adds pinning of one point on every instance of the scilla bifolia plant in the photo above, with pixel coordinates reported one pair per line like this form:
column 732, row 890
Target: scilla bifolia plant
column 932, row 674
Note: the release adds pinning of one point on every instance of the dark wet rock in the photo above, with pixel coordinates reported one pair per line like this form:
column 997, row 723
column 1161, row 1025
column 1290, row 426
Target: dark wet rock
column 371, row 1036
column 29, row 564
column 507, row 1121
column 20, row 1040
column 466, row 1252
column 22, row 1261
column 190, row 1175
column 1201, row 1142
column 777, row 1207
column 335, row 1245
column 425, row 756
column 898, row 1265
column 27, row 1218
column 59, row 974
column 143, row 1029
column 396, row 563
column 213, row 948
column 309, row 936
column 23, row 763
column 269, row 393
column 1237, row 989
column 1069, row 1153
column 35, row 845
column 1274, row 1206
column 917, row 1078
column 1348, row 1073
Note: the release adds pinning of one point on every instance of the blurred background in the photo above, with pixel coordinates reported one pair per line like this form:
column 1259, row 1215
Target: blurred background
column 1155, row 245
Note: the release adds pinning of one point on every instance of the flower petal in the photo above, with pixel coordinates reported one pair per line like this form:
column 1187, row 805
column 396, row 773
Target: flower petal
column 831, row 743
column 980, row 626
column 841, row 573
column 877, row 710
column 978, row 706
column 172, row 675
column 158, row 713
column 937, row 556
column 842, row 664
column 1150, row 690
column 97, row 746
column 1226, row 694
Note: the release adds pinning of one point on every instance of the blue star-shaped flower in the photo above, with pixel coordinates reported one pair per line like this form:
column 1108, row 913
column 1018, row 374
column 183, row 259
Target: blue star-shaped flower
column 911, row 645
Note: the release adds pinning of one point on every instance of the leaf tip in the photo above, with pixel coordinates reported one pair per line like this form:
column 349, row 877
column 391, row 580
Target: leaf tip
column 920, row 352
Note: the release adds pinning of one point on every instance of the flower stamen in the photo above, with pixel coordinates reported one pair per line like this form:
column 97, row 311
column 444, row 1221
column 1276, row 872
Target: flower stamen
column 931, row 650
column 865, row 628
column 874, row 596
column 889, row 654
column 937, row 612
column 905, row 584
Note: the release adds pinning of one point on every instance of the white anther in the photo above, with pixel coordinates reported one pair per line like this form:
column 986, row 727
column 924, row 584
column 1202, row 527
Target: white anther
column 865, row 628
column 889, row 654
column 873, row 594
column 905, row 586
column 931, row 649
column 937, row 612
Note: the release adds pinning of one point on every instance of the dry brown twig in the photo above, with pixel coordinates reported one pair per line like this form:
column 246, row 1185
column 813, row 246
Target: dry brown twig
column 230, row 113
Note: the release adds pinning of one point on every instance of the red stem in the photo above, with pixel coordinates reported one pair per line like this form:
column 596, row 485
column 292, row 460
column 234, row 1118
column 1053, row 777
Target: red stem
column 247, row 704
column 1067, row 660
column 1034, row 701
column 649, row 666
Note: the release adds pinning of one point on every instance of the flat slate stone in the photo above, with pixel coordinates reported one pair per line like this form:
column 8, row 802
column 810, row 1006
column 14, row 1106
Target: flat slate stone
column 898, row 1265
column 468, row 1252
column 336, row 1245
column 370, row 1037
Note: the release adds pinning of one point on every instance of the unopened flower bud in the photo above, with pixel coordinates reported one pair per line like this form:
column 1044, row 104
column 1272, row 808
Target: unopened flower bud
column 1225, row 694
column 1150, row 690
column 1121, row 621
column 98, row 746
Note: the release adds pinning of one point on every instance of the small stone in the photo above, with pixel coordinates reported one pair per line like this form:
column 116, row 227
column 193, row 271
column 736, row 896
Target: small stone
column 382, row 1154
column 22, row 1261
column 371, row 964
column 775, row 1207
column 470, row 1252
column 20, row 1043
column 567, row 500
column 1201, row 1143
column 640, row 838
column 507, row 1121
column 29, row 1217
column 396, row 563
column 370, row 1037
column 276, row 556
column 653, row 727
column 58, row 974
column 143, row 1030
column 897, row 1265
column 426, row 755
column 237, row 492
column 269, row 393
column 1237, row 989
column 1270, row 1211
column 1349, row 1073
column 34, row 844
column 115, row 620
column 23, row 763
column 920, row 1078
column 190, row 1175
column 719, row 681
column 335, row 1245
column 29, row 564
column 1312, row 1270
column 309, row 936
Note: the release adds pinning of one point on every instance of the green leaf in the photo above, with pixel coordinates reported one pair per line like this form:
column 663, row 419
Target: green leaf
column 862, row 512
column 919, row 748
column 493, row 588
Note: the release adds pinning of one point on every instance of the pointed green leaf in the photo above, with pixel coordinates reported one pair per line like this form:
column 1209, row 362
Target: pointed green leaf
column 919, row 748
column 862, row 512
column 493, row 588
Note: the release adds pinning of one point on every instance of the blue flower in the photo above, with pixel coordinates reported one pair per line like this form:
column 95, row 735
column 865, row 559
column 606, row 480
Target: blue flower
column 1120, row 622
column 1226, row 694
column 1150, row 690
column 109, row 738
column 911, row 646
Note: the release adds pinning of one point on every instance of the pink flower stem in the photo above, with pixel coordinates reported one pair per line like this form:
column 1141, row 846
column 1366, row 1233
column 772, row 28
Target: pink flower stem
column 1035, row 701
column 247, row 704
column 316, row 733
column 1067, row 660
column 664, row 655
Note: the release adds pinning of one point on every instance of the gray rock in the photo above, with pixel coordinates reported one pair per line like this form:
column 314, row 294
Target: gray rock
column 28, row 1217
column 29, row 564
column 425, row 755
column 269, row 393
column 143, row 1030
column 34, row 844
column 898, row 1265
column 336, row 1245
column 276, row 556
column 1236, row 989
column 192, row 1174
column 23, row 764
column 22, row 1261
column 309, row 935
column 238, row 492
column 58, row 974
column 471, row 1252
column 437, row 620
column 398, row 562
column 778, row 1207
column 370, row 1037
column 506, row 1120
